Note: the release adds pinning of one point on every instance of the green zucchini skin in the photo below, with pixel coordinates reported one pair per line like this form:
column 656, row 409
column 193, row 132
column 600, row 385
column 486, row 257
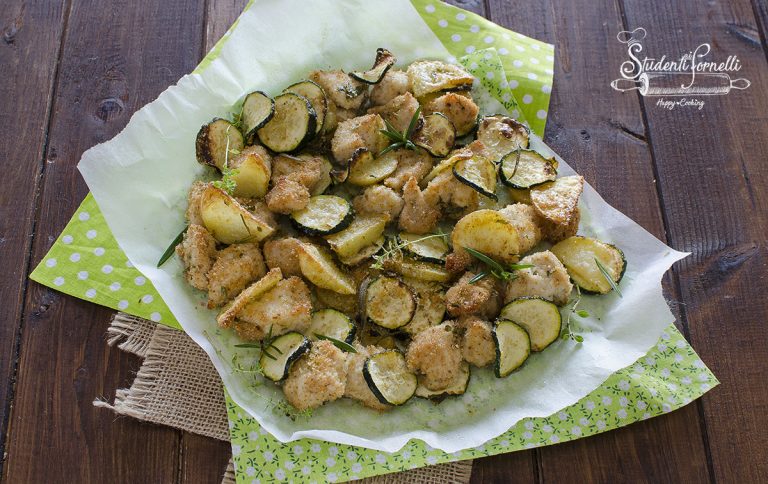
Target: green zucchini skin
column 457, row 173
column 536, row 345
column 316, row 97
column 206, row 145
column 341, row 225
column 384, row 61
column 373, row 385
column 292, row 142
column 509, row 181
column 249, row 132
column 304, row 346
column 503, row 372
column 412, row 250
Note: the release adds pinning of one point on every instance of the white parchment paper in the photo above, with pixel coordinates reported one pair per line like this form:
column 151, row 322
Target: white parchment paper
column 140, row 179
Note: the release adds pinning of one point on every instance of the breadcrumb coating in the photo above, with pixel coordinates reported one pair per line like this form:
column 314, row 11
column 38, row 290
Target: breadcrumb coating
column 394, row 83
column 287, row 196
column 418, row 215
column 379, row 199
column 357, row 388
column 477, row 346
column 547, row 279
column 480, row 298
column 286, row 307
column 317, row 377
column 283, row 253
column 435, row 354
column 197, row 252
column 234, row 269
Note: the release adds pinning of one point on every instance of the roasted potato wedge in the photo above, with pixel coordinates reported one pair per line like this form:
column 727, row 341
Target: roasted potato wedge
column 228, row 221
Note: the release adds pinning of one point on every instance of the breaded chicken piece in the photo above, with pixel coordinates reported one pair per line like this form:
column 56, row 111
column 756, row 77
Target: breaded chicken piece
column 398, row 111
column 447, row 190
column 356, row 133
column 419, row 216
column 458, row 262
column 193, row 202
column 260, row 210
column 379, row 199
column 286, row 307
column 547, row 279
column 477, row 346
column 287, row 196
column 341, row 89
column 410, row 164
column 235, row 268
column 283, row 253
column 197, row 252
column 336, row 115
column 304, row 169
column 554, row 233
column 346, row 303
column 435, row 353
column 394, row 83
column 524, row 218
column 357, row 388
column 458, row 107
column 481, row 298
column 317, row 377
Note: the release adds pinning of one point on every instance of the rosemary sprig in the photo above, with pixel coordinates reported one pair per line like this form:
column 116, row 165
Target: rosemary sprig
column 494, row 268
column 342, row 345
column 172, row 248
column 568, row 334
column 264, row 345
column 608, row 277
column 395, row 247
column 400, row 140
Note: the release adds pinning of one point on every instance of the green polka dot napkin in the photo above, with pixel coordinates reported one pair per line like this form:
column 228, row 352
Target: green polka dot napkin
column 86, row 262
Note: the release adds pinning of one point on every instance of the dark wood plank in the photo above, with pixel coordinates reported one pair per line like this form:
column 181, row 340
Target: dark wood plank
column 116, row 57
column 713, row 180
column 761, row 15
column 602, row 136
column 204, row 459
column 29, row 47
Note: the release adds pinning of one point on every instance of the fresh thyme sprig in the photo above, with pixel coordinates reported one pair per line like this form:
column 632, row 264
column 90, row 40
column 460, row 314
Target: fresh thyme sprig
column 608, row 277
column 227, row 182
column 394, row 248
column 342, row 345
column 494, row 268
column 568, row 334
column 400, row 140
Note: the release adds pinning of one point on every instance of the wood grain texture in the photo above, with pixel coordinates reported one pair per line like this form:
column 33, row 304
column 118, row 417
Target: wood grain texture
column 31, row 36
column 108, row 70
column 219, row 17
column 203, row 459
column 713, row 180
column 601, row 134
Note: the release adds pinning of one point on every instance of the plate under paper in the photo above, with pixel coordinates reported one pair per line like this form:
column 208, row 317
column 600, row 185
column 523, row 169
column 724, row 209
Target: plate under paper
column 140, row 179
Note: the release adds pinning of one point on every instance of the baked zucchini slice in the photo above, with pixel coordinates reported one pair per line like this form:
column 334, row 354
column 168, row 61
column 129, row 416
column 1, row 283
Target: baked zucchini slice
column 389, row 302
column 331, row 323
column 374, row 75
column 431, row 76
column 366, row 169
column 432, row 249
column 525, row 169
column 513, row 346
column 293, row 124
column 578, row 254
column 501, row 135
column 540, row 318
column 320, row 269
column 284, row 351
column 423, row 271
column 479, row 173
column 258, row 109
column 436, row 135
column 228, row 221
column 214, row 139
column 457, row 387
column 316, row 97
column 387, row 376
column 324, row 215
column 362, row 232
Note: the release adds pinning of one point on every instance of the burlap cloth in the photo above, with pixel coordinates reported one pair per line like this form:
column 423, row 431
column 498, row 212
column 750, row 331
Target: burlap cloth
column 178, row 386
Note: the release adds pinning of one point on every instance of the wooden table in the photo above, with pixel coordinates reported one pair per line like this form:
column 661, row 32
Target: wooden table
column 73, row 71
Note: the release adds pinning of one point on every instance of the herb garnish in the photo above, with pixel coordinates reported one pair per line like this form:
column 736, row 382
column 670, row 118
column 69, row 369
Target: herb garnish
column 400, row 140
column 494, row 268
column 342, row 345
column 394, row 248
column 264, row 345
column 608, row 277
column 172, row 248
column 568, row 334
column 227, row 182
